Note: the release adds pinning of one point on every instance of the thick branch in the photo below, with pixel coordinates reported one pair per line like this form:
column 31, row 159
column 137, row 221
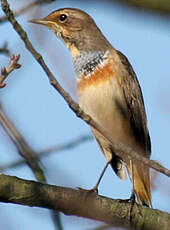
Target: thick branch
column 80, row 203
column 120, row 148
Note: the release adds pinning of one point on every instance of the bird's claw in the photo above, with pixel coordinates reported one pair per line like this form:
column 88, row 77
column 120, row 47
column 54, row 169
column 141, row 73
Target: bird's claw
column 95, row 190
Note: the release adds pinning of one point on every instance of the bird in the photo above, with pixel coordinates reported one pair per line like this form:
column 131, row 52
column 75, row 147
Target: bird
column 109, row 91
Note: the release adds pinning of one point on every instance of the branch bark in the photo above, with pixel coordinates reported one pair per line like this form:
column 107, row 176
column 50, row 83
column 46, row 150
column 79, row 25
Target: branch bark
column 120, row 148
column 81, row 203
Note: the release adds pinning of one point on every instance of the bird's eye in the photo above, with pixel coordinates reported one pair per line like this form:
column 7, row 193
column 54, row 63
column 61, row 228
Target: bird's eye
column 63, row 17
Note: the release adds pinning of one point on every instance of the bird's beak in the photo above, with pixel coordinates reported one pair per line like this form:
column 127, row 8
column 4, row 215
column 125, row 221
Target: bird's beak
column 42, row 21
column 52, row 25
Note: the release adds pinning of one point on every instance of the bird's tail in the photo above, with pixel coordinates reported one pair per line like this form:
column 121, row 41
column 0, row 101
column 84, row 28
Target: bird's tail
column 141, row 180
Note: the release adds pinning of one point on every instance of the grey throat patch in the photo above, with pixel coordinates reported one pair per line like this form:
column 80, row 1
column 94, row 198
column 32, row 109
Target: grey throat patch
column 87, row 62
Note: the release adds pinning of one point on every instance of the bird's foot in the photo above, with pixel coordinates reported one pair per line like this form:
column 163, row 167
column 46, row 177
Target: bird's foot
column 95, row 189
column 132, row 202
column 131, row 199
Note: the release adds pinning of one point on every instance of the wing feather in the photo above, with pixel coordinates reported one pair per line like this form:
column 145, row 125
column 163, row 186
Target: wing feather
column 135, row 104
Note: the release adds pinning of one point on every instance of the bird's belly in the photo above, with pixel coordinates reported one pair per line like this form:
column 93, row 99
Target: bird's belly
column 101, row 103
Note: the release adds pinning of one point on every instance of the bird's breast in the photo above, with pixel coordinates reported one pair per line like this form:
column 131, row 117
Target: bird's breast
column 100, row 75
column 99, row 96
column 96, row 97
column 102, row 97
column 96, row 90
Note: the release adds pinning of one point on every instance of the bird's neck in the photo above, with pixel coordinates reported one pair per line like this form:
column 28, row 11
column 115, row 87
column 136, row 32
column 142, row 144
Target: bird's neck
column 86, row 63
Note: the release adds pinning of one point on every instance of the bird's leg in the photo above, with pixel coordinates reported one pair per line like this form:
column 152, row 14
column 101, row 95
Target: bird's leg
column 95, row 188
column 132, row 197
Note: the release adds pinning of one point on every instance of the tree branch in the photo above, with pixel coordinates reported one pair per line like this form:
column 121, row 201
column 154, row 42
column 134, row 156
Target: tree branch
column 58, row 148
column 4, row 49
column 80, row 203
column 120, row 148
column 13, row 64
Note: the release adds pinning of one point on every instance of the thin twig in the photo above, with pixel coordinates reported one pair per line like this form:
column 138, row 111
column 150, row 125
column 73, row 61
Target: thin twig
column 26, row 8
column 13, row 64
column 58, row 148
column 4, row 49
column 120, row 148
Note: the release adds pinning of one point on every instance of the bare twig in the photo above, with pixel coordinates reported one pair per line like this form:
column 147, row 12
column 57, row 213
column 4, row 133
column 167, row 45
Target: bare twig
column 81, row 203
column 13, row 64
column 58, row 148
column 26, row 8
column 4, row 49
column 120, row 148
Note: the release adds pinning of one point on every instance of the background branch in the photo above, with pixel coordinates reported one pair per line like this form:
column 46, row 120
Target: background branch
column 23, row 148
column 26, row 8
column 4, row 49
column 120, row 148
column 57, row 148
column 162, row 6
column 80, row 203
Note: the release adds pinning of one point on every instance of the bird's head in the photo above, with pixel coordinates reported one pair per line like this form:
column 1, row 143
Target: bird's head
column 76, row 28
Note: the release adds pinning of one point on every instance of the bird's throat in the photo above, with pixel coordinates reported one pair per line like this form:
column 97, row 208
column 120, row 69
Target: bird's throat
column 86, row 63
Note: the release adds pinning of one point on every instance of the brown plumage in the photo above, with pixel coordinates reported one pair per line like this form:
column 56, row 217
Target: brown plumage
column 109, row 92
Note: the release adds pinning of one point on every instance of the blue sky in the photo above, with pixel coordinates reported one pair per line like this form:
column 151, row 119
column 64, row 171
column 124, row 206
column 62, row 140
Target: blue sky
column 44, row 119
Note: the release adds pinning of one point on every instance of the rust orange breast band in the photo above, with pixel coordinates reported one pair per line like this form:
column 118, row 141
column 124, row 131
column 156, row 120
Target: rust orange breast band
column 99, row 75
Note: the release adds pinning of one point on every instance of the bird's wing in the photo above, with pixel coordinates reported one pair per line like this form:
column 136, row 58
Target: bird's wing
column 135, row 104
